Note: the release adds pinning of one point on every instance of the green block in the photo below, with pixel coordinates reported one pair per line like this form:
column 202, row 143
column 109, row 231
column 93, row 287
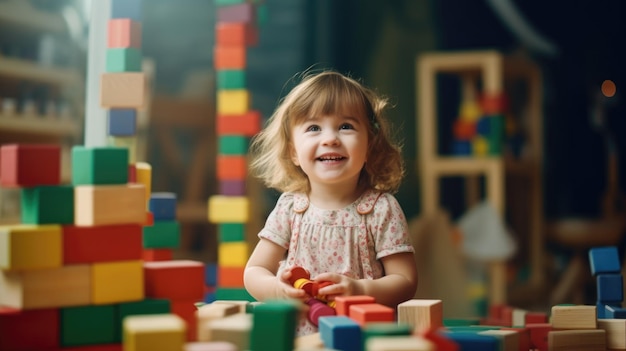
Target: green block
column 148, row 306
column 123, row 60
column 473, row 328
column 274, row 326
column 496, row 135
column 88, row 325
column 162, row 235
column 232, row 145
column 231, row 79
column 460, row 322
column 229, row 232
column 99, row 165
column 239, row 294
column 47, row 205
column 262, row 14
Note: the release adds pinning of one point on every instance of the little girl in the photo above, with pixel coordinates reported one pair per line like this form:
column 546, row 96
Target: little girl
column 327, row 149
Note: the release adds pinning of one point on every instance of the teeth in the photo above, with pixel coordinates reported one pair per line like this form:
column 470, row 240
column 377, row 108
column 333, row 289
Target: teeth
column 330, row 158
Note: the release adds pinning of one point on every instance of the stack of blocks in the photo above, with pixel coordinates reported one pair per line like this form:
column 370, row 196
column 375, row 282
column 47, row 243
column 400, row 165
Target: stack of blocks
column 236, row 30
column 606, row 268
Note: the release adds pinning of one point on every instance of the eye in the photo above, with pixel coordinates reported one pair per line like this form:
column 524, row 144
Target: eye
column 346, row 126
column 313, row 128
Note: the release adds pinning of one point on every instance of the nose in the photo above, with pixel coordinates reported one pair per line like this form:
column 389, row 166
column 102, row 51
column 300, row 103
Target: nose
column 331, row 138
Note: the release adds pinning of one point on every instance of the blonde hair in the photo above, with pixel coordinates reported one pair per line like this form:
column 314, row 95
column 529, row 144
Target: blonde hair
column 326, row 93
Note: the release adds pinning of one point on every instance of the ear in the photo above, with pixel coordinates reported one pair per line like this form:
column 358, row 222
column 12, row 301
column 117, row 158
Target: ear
column 293, row 155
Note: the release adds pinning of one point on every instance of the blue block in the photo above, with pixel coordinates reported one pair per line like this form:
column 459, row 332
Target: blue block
column 610, row 288
column 209, row 297
column 210, row 274
column 340, row 333
column 483, row 126
column 127, row 9
column 474, row 342
column 604, row 260
column 122, row 122
column 601, row 309
column 163, row 206
column 614, row 312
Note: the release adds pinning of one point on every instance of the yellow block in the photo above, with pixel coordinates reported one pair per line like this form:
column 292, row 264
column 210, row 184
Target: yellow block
column 480, row 146
column 233, row 102
column 229, row 209
column 25, row 246
column 118, row 281
column 144, row 176
column 129, row 142
column 46, row 288
column 156, row 332
column 232, row 254
column 109, row 204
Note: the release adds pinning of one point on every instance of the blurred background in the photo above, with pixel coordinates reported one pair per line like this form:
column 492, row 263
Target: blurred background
column 576, row 46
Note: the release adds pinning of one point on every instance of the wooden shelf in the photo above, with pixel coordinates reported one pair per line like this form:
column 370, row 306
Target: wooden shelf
column 20, row 14
column 38, row 125
column 16, row 68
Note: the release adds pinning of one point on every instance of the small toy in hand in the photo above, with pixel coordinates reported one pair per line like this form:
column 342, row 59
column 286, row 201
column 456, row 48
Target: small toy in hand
column 318, row 304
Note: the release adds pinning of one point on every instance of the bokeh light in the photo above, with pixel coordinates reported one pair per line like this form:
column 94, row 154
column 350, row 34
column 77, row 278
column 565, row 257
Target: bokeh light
column 608, row 88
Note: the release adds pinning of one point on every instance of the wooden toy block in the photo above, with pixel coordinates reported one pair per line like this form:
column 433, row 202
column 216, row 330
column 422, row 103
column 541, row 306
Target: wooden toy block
column 573, row 317
column 163, row 206
column 604, row 260
column 615, row 333
column 158, row 332
column 210, row 312
column 235, row 294
column 232, row 187
column 210, row 346
column 233, row 102
column 122, row 122
column 229, row 79
column 143, row 307
column 340, row 332
column 230, row 277
column 235, row 328
column 274, row 326
column 247, row 124
column 399, row 343
column 610, row 288
column 474, row 341
column 508, row 339
column 506, row 318
column 123, row 60
column 105, row 243
column 231, row 167
column 47, row 204
column 232, row 254
column 87, row 325
column 236, row 34
column 123, row 90
column 243, row 12
column 99, row 165
column 132, row 173
column 144, row 176
column 232, row 145
column 539, row 335
column 386, row 329
column 152, row 255
column 343, row 303
column 175, row 280
column 535, row 317
column 518, row 317
column 421, row 313
column 28, row 165
column 186, row 310
column 46, row 288
column 523, row 337
column 210, row 274
column 162, row 235
column 127, row 142
column 229, row 57
column 229, row 232
column 109, row 204
column 123, row 33
column 29, row 330
column 120, row 281
column 229, row 209
column 439, row 340
column 28, row 247
column 568, row 340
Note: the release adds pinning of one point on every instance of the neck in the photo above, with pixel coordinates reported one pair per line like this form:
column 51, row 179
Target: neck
column 334, row 197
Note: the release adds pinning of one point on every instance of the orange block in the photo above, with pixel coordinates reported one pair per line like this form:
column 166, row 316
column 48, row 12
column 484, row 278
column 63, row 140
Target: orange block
column 229, row 57
column 230, row 277
column 371, row 312
column 124, row 33
column 231, row 167
column 151, row 255
column 247, row 124
column 236, row 34
column 186, row 309
column 343, row 303
column 174, row 280
column 106, row 243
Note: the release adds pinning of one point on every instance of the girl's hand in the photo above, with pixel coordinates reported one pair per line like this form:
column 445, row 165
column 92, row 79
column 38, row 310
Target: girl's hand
column 284, row 289
column 341, row 285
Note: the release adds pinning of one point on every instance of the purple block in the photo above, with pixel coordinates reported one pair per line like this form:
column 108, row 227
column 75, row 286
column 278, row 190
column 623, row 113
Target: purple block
column 233, row 187
column 122, row 122
column 245, row 12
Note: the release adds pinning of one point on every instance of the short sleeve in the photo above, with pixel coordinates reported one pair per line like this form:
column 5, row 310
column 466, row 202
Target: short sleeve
column 389, row 227
column 277, row 227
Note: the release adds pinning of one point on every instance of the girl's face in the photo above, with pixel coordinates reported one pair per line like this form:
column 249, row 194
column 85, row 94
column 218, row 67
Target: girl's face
column 330, row 149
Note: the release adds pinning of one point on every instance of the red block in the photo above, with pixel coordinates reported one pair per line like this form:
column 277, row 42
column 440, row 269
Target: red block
column 102, row 243
column 535, row 317
column 371, row 312
column 343, row 303
column 236, row 34
column 29, row 165
column 229, row 57
column 174, row 280
column 29, row 330
column 132, row 173
column 524, row 337
column 439, row 341
column 230, row 277
column 124, row 33
column 539, row 335
column 186, row 309
column 102, row 347
column 231, row 167
column 149, row 219
column 247, row 124
column 151, row 255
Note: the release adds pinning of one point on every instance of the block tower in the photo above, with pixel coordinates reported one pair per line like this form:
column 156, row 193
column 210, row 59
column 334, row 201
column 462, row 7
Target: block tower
column 236, row 30
column 606, row 268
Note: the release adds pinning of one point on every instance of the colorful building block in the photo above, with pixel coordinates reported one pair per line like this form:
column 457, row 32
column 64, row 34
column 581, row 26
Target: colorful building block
column 235, row 328
column 162, row 235
column 151, row 255
column 234, row 187
column 105, row 243
column 236, row 34
column 175, row 280
column 29, row 330
column 233, row 102
column 28, row 247
column 228, row 232
column 123, row 90
column 123, row 60
column 232, row 254
column 231, row 167
column 609, row 288
column 615, row 333
column 229, row 57
column 573, row 317
column 48, row 204
column 230, row 277
column 159, row 332
column 123, row 33
column 233, row 294
column 144, row 176
column 274, row 326
column 143, row 307
column 210, row 312
column 122, row 122
column 28, row 165
column 163, row 206
column 604, row 260
column 88, row 325
column 119, row 281
column 372, row 312
column 341, row 333
column 228, row 79
column 232, row 145
column 243, row 12
column 343, row 303
column 247, row 124
column 186, row 310
column 228, row 209
column 99, row 165
column 421, row 313
column 109, row 204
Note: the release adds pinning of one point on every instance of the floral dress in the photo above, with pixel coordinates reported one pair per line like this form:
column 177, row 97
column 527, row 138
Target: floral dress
column 349, row 241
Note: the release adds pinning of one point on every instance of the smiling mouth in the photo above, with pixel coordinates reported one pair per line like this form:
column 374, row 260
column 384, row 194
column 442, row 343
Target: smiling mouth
column 330, row 158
